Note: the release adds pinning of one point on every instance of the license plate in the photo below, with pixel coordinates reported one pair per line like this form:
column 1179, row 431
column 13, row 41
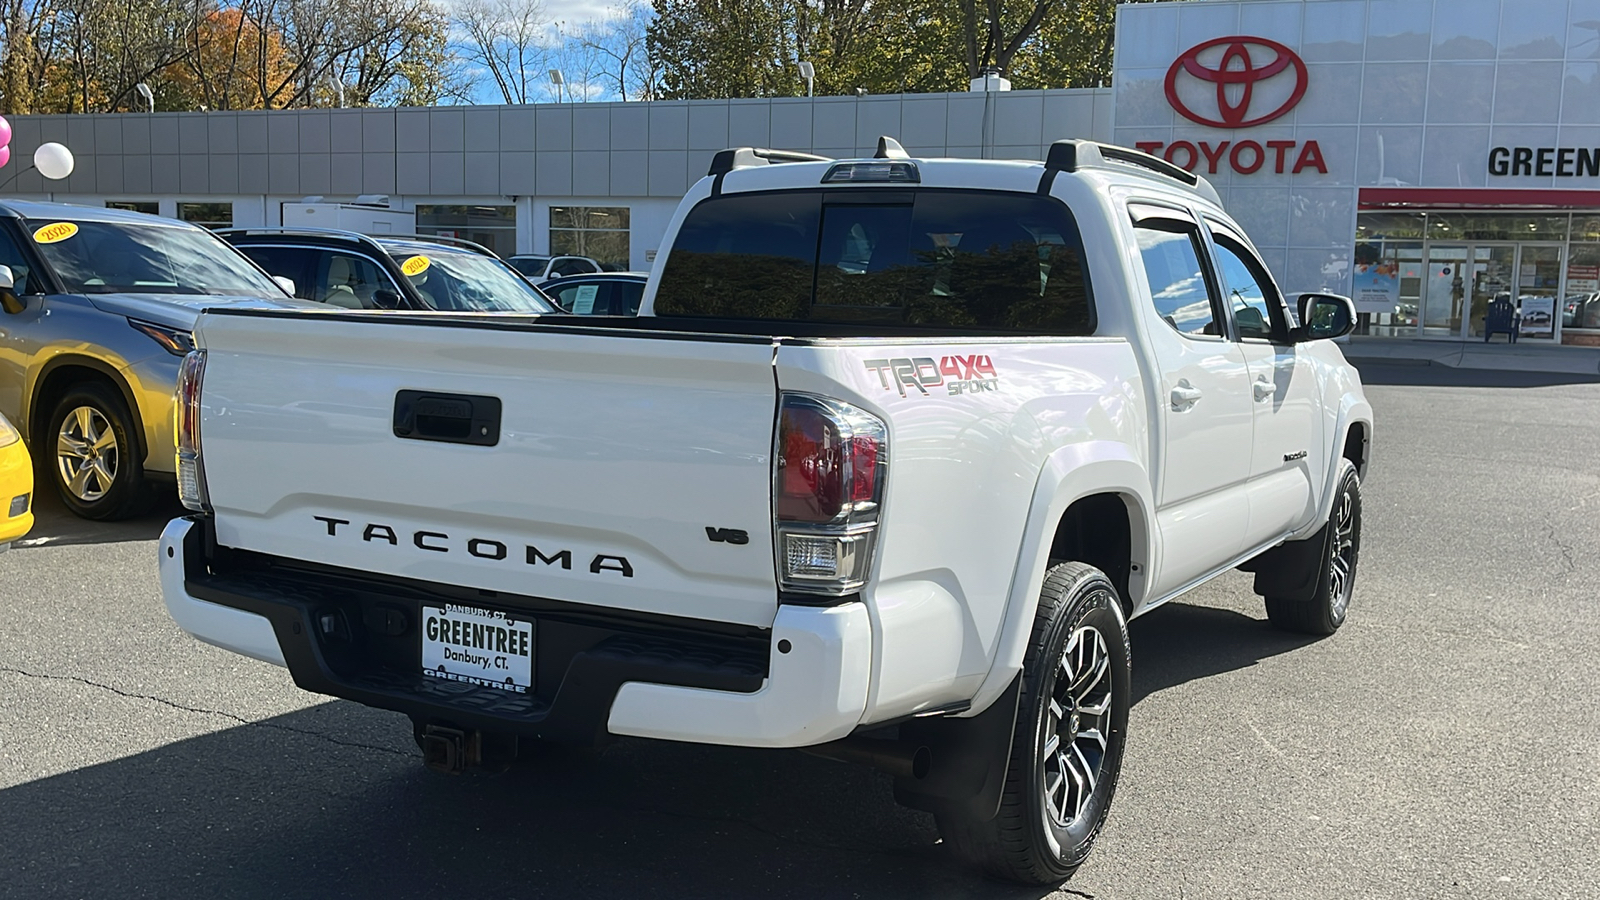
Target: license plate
column 477, row 646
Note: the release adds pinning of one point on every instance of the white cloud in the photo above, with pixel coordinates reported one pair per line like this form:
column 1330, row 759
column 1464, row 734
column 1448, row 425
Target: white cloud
column 575, row 12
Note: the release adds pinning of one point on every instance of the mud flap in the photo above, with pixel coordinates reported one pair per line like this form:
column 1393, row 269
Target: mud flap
column 970, row 756
column 1293, row 569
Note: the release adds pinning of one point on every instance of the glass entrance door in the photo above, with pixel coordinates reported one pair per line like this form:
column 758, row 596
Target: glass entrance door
column 1461, row 280
column 1538, row 281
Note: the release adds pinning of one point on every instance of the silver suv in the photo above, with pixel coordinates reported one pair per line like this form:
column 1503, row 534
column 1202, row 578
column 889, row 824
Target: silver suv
column 98, row 306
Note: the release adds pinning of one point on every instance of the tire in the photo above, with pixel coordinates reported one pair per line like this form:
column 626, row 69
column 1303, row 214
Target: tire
column 1336, row 578
column 1048, row 822
column 91, row 450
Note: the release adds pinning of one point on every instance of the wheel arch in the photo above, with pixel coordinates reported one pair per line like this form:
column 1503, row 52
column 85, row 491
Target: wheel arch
column 58, row 375
column 1079, row 487
column 1354, row 418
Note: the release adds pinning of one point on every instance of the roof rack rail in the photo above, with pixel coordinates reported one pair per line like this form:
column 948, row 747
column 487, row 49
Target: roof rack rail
column 463, row 243
column 1074, row 155
column 744, row 157
column 358, row 237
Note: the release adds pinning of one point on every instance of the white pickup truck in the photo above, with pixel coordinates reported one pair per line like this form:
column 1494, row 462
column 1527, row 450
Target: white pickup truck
column 894, row 450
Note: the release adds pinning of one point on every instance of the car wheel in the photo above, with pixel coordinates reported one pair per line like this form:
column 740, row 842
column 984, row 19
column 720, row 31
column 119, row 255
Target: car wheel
column 1325, row 611
column 95, row 460
column 1066, row 752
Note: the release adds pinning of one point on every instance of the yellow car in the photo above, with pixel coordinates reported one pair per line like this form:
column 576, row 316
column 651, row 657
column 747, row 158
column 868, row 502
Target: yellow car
column 16, row 485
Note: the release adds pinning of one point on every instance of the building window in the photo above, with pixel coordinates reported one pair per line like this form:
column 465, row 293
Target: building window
column 148, row 207
column 598, row 232
column 494, row 227
column 207, row 215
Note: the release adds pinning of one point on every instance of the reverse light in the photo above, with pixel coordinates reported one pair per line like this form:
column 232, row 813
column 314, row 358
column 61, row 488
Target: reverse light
column 186, row 408
column 829, row 472
column 173, row 340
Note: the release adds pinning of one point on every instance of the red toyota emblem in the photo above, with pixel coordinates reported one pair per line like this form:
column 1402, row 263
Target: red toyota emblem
column 1238, row 66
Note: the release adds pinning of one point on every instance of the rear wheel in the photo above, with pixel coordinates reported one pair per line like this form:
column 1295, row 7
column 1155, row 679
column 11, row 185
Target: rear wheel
column 94, row 455
column 1066, row 753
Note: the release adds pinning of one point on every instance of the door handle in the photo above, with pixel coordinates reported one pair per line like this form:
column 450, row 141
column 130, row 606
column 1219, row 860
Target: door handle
column 1184, row 396
column 1264, row 390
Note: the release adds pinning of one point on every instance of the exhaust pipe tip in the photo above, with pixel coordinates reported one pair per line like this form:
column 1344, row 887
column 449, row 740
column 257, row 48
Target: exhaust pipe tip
column 898, row 758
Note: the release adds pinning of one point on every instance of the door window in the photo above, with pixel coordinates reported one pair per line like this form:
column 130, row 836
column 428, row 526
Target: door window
column 625, row 297
column 1253, row 300
column 572, row 265
column 11, row 255
column 588, row 299
column 349, row 281
column 1179, row 290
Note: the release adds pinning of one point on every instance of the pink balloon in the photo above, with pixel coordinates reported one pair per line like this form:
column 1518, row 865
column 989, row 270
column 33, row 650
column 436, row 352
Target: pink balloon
column 5, row 131
column 5, row 155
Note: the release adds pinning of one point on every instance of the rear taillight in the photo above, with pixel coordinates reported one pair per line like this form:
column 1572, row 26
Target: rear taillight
column 829, row 473
column 186, row 409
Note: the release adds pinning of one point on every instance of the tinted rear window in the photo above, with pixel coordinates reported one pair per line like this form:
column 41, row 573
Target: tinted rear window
column 930, row 259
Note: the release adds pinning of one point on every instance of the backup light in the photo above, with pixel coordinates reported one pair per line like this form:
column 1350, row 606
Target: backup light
column 876, row 171
column 191, row 470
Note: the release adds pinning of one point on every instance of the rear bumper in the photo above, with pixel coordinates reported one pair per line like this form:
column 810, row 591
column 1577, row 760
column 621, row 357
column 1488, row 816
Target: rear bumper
column 802, row 682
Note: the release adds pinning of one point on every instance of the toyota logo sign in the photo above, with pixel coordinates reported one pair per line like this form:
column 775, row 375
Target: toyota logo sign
column 1246, row 69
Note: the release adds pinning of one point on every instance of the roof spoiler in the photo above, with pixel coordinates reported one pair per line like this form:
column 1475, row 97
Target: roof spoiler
column 1077, row 155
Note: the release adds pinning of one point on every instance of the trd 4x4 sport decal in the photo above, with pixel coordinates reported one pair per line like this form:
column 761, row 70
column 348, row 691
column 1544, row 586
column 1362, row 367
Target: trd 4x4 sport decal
column 958, row 374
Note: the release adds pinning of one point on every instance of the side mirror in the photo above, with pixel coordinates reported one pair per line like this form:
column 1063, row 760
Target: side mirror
column 8, row 297
column 1324, row 316
column 286, row 283
column 384, row 298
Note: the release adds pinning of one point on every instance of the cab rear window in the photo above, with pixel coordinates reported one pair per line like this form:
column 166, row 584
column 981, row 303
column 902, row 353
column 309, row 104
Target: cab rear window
column 967, row 260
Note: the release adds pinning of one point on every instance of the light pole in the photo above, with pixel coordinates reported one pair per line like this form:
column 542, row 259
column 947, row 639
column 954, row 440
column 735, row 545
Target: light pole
column 145, row 94
column 809, row 73
column 557, row 79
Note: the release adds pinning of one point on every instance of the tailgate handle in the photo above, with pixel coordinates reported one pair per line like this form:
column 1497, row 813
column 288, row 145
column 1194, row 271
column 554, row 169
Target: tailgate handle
column 451, row 418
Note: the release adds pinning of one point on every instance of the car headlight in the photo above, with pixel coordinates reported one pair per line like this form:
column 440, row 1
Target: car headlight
column 8, row 433
column 174, row 340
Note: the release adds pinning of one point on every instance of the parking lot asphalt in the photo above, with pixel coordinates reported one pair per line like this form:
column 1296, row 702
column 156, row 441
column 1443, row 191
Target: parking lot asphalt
column 1445, row 744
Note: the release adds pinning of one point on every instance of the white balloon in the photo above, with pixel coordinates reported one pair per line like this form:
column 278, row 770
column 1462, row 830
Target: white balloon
column 53, row 160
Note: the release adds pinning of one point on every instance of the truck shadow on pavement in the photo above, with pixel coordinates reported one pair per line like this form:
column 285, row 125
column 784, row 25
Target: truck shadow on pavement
column 332, row 801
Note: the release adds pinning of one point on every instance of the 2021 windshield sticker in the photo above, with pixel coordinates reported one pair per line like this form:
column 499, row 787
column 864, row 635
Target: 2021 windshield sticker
column 957, row 374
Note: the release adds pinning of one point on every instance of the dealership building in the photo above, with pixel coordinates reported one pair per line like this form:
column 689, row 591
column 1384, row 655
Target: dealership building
column 1427, row 157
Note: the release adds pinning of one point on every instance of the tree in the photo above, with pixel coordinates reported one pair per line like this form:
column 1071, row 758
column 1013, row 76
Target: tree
column 230, row 53
column 507, row 40
column 618, row 48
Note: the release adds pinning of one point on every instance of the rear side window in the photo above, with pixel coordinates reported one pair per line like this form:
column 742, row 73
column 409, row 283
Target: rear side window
column 287, row 262
column 933, row 259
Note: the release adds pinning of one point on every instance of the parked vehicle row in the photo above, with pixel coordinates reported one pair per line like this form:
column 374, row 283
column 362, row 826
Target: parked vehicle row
column 99, row 306
column 892, row 453
column 353, row 271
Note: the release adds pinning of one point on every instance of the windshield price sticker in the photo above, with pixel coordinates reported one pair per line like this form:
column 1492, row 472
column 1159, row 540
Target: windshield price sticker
column 477, row 646
column 415, row 266
column 55, row 231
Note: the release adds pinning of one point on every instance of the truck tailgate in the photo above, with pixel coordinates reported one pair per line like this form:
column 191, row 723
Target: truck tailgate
column 626, row 467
